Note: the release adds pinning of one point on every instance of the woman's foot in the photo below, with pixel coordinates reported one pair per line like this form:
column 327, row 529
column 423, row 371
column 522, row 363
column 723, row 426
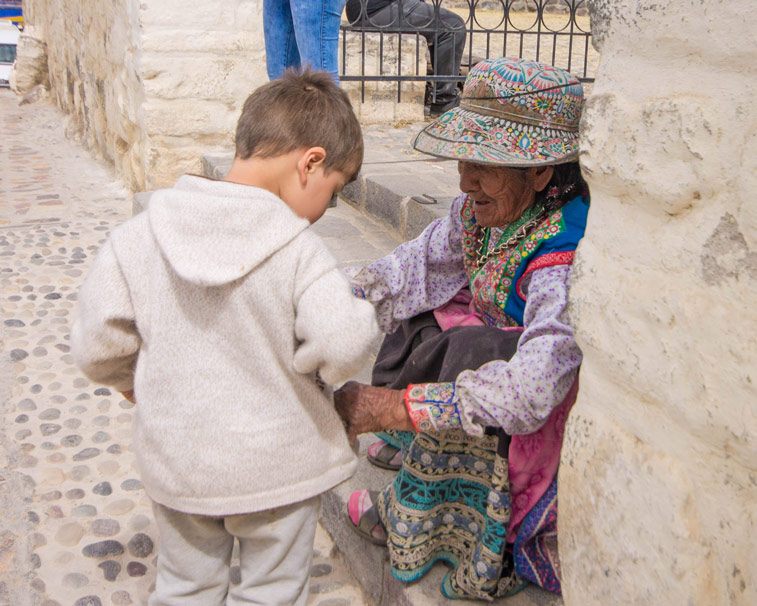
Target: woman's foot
column 384, row 455
column 364, row 518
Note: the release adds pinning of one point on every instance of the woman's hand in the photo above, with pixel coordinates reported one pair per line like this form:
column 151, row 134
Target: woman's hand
column 365, row 408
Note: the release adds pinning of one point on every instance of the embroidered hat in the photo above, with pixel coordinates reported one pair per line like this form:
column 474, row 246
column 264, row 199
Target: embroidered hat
column 512, row 112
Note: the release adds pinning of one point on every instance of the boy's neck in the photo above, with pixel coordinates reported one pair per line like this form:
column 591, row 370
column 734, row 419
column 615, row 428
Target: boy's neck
column 265, row 173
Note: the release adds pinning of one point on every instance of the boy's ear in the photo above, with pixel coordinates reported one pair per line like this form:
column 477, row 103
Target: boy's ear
column 311, row 159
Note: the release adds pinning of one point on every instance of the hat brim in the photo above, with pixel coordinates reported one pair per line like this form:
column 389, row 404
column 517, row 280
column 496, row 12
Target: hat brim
column 467, row 136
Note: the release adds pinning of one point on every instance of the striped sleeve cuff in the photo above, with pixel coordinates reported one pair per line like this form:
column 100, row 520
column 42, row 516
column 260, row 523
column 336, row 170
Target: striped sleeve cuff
column 431, row 406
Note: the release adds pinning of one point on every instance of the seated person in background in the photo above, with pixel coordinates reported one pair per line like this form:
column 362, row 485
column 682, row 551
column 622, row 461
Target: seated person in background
column 445, row 37
column 220, row 309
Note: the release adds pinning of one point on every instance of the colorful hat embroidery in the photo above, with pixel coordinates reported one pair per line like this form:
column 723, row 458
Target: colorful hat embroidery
column 512, row 112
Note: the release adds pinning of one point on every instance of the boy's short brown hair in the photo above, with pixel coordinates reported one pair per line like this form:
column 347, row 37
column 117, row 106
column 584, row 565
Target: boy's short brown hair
column 301, row 109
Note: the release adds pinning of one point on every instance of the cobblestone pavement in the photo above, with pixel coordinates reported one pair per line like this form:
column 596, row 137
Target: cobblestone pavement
column 75, row 523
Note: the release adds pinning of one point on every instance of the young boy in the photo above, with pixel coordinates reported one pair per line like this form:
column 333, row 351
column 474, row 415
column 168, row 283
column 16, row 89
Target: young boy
column 221, row 310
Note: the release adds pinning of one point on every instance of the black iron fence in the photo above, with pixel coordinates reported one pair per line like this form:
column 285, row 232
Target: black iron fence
column 550, row 31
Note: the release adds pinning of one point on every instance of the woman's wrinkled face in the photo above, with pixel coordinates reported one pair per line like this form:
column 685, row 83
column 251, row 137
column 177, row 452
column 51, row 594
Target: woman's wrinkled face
column 500, row 194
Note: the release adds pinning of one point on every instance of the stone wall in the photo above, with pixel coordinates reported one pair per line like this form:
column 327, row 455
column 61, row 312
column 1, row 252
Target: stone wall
column 151, row 85
column 658, row 486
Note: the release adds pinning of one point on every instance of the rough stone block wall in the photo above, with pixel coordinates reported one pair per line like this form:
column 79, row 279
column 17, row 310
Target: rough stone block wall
column 93, row 55
column 658, row 482
column 200, row 61
column 151, row 85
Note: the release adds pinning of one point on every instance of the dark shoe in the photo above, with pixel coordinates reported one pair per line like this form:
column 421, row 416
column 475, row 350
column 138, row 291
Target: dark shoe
column 437, row 109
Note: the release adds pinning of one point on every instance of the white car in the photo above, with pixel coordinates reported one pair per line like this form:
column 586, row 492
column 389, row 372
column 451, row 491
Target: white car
column 8, row 40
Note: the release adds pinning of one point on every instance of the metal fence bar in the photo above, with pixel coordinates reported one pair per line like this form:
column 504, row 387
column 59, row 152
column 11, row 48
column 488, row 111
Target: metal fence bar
column 399, row 66
column 540, row 17
column 535, row 30
column 570, row 39
column 362, row 70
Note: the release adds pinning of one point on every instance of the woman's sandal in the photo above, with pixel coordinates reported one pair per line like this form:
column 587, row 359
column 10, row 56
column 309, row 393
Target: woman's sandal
column 384, row 455
column 363, row 517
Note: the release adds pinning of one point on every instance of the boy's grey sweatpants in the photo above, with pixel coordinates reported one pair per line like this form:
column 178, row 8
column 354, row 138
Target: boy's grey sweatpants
column 275, row 549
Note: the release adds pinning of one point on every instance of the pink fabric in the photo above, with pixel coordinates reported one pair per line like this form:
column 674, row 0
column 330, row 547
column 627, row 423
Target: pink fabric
column 458, row 312
column 461, row 311
column 358, row 502
column 533, row 460
column 375, row 448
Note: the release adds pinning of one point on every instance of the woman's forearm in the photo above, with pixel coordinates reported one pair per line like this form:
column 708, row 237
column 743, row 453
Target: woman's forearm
column 418, row 275
column 397, row 416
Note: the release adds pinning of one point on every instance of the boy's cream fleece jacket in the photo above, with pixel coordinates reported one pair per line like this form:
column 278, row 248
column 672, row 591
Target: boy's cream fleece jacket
column 218, row 306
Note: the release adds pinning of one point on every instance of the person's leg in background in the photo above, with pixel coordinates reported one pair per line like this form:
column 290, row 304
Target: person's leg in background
column 446, row 55
column 316, row 26
column 276, row 553
column 281, row 49
column 446, row 44
column 193, row 559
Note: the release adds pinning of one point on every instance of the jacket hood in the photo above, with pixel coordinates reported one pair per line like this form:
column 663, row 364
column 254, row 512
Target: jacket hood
column 214, row 232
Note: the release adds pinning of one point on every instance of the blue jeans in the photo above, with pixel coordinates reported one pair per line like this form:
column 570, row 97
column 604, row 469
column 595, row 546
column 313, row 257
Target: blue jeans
column 300, row 33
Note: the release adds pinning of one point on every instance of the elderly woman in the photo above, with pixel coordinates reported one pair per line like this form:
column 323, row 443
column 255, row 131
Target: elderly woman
column 479, row 368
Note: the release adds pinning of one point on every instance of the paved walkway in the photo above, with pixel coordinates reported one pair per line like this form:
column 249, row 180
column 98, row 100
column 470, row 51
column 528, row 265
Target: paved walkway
column 75, row 524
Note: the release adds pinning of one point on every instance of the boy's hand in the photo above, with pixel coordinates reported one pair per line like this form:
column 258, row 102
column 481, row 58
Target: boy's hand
column 129, row 395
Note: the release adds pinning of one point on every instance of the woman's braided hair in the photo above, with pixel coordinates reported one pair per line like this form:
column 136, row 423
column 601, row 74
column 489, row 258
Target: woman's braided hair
column 566, row 183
